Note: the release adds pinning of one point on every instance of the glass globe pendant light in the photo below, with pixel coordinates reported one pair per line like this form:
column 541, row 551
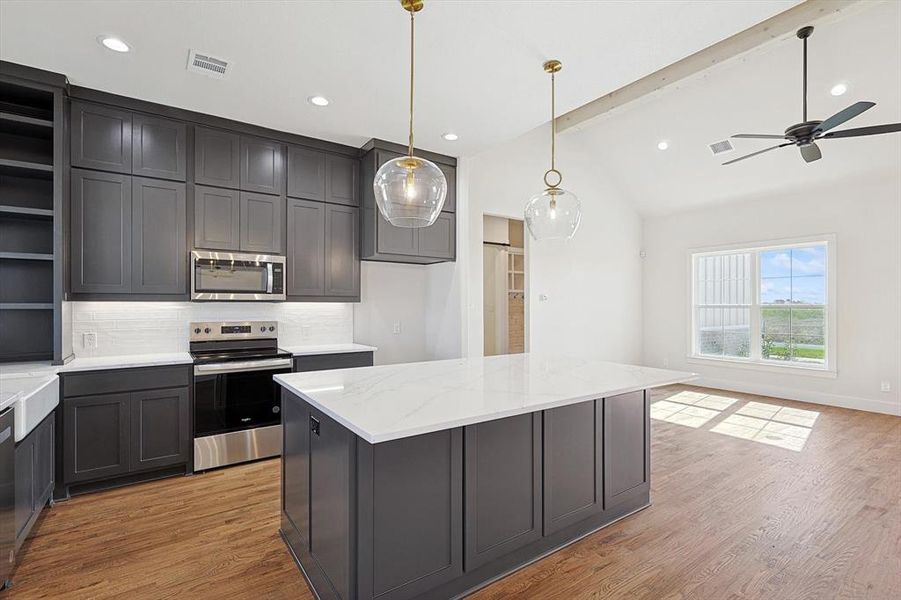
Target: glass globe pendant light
column 554, row 214
column 409, row 190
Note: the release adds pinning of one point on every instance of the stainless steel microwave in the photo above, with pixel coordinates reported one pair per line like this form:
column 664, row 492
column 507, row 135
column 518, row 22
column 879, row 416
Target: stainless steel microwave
column 225, row 276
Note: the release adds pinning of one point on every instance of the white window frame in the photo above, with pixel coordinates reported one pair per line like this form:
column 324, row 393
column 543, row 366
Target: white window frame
column 756, row 361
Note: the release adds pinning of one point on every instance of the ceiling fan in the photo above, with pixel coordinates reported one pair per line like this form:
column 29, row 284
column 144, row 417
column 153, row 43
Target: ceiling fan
column 805, row 135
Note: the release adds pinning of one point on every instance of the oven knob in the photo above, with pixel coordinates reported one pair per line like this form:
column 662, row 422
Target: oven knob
column 271, row 328
column 262, row 329
column 197, row 330
column 206, row 329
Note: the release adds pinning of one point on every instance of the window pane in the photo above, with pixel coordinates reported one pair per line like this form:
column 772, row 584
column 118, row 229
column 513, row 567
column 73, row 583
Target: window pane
column 775, row 263
column 710, row 331
column 808, row 335
column 809, row 289
column 737, row 332
column 775, row 290
column 775, row 327
column 808, row 261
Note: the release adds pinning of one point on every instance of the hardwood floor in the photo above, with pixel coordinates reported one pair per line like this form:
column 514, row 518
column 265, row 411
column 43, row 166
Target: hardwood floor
column 734, row 517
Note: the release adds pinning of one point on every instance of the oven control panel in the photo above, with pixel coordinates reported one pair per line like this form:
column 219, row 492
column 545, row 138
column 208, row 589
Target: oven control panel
column 233, row 330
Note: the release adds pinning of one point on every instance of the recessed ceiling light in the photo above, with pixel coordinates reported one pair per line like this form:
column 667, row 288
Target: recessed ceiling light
column 113, row 43
column 451, row 137
column 662, row 145
column 318, row 100
column 838, row 89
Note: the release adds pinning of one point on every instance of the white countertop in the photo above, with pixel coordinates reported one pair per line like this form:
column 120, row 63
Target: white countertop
column 125, row 361
column 396, row 401
column 327, row 349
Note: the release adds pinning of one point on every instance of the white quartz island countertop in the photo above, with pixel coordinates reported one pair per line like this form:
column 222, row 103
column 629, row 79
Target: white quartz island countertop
column 390, row 402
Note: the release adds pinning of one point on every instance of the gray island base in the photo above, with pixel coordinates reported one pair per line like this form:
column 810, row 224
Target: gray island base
column 439, row 514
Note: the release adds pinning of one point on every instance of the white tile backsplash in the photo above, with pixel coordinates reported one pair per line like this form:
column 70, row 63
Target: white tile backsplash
column 149, row 327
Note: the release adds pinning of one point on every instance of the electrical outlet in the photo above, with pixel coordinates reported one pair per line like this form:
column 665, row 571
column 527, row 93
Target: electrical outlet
column 396, row 329
column 542, row 298
column 886, row 386
column 89, row 340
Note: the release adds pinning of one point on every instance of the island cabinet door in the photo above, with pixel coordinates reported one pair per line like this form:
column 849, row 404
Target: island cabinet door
column 502, row 487
column 627, row 463
column 573, row 464
column 332, row 496
column 296, row 470
column 410, row 515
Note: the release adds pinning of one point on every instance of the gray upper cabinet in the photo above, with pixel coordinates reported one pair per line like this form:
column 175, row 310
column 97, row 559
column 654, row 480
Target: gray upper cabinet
column 306, row 248
column 262, row 166
column 160, row 435
column 159, row 251
column 158, row 148
column 382, row 241
column 573, row 465
column 342, row 251
column 101, row 138
column 101, row 232
column 262, row 223
column 306, row 174
column 217, row 216
column 342, row 180
column 439, row 239
column 217, row 158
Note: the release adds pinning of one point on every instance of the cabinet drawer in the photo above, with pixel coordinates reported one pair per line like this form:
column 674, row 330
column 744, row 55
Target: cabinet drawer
column 322, row 362
column 125, row 380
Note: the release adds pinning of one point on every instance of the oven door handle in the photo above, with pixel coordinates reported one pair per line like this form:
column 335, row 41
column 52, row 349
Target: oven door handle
column 240, row 367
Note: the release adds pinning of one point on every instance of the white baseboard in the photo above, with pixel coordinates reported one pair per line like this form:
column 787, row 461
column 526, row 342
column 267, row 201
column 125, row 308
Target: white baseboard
column 888, row 407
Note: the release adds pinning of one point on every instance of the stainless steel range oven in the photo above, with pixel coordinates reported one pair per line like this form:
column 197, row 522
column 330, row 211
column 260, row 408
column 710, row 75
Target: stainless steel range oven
column 234, row 276
column 236, row 402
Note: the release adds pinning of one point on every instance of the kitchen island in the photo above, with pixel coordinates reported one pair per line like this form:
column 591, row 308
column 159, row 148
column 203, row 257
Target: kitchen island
column 429, row 480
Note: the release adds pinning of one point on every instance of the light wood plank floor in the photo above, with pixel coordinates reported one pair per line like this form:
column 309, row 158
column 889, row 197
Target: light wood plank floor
column 732, row 519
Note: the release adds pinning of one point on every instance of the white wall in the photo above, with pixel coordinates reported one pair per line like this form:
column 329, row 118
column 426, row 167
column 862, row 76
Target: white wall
column 147, row 327
column 866, row 219
column 593, row 282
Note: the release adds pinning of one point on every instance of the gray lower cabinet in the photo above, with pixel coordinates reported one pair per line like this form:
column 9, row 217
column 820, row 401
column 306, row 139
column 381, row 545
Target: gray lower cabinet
column 323, row 250
column 101, row 242
column 160, row 432
column 124, row 423
column 34, row 476
column 159, row 147
column 573, row 464
column 217, row 218
column 262, row 166
column 217, row 158
column 101, row 137
column 627, row 457
column 503, row 492
column 439, row 514
column 262, row 223
column 97, row 429
column 159, row 223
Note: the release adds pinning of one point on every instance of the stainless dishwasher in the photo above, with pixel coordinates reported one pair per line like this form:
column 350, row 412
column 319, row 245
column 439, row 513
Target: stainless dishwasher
column 7, row 495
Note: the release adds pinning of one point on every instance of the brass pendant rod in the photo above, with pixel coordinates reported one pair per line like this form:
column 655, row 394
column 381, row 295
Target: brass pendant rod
column 412, row 26
column 553, row 124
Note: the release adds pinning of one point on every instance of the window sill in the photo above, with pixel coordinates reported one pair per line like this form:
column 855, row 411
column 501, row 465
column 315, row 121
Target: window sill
column 760, row 366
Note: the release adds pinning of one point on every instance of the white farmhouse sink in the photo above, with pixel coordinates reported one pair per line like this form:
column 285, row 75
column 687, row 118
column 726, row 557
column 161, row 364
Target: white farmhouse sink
column 34, row 396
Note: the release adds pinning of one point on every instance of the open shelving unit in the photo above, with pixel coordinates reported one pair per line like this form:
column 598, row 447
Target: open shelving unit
column 30, row 218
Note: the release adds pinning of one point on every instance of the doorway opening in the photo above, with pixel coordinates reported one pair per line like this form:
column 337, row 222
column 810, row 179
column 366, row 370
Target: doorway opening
column 504, row 295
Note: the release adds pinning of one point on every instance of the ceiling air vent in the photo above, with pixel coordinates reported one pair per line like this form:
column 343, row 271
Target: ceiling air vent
column 721, row 147
column 206, row 64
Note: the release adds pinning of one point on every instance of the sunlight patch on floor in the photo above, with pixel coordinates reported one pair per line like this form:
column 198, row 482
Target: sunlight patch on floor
column 771, row 424
column 691, row 409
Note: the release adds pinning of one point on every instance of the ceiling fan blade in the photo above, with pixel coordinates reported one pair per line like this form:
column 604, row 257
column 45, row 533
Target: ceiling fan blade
column 761, row 136
column 843, row 115
column 756, row 153
column 811, row 152
column 874, row 130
